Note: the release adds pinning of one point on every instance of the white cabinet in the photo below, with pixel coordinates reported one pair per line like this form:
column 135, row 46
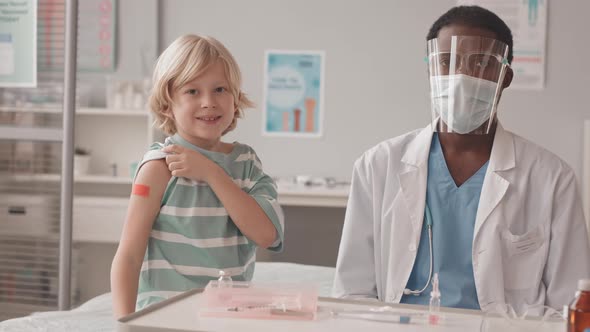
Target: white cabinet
column 116, row 140
column 98, row 219
column 26, row 215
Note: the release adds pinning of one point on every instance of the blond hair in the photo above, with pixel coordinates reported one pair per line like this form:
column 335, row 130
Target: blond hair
column 184, row 60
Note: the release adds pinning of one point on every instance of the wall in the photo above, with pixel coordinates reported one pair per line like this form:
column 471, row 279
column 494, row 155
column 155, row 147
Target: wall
column 376, row 83
column 137, row 31
column 136, row 40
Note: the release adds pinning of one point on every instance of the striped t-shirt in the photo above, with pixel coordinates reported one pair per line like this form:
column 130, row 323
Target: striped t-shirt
column 193, row 237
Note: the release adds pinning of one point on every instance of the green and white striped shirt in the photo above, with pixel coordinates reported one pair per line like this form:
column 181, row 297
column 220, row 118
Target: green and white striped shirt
column 193, row 237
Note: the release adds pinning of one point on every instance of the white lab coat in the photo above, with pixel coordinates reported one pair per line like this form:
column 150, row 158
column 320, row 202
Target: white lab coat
column 530, row 244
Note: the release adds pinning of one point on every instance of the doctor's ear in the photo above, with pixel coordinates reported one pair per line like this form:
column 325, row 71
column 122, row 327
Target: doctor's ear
column 508, row 78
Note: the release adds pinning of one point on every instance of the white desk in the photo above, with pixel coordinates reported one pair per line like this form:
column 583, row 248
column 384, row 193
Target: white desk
column 319, row 196
column 181, row 314
column 91, row 212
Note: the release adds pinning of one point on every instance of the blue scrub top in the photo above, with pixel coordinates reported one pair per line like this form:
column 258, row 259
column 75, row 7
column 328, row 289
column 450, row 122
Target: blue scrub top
column 453, row 212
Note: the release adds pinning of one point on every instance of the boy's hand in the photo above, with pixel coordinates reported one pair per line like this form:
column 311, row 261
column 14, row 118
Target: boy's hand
column 187, row 163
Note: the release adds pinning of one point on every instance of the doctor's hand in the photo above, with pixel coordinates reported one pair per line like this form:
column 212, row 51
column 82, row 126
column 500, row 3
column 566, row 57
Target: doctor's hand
column 187, row 163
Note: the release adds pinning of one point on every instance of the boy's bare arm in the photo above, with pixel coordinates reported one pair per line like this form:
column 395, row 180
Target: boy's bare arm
column 243, row 209
column 144, row 205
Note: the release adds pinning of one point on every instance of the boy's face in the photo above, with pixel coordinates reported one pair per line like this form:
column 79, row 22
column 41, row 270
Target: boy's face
column 204, row 107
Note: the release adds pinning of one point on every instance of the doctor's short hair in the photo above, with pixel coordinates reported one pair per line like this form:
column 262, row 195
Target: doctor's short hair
column 184, row 60
column 477, row 17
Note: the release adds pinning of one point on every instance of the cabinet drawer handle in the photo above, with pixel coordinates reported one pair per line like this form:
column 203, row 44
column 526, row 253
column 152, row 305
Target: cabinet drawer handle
column 18, row 210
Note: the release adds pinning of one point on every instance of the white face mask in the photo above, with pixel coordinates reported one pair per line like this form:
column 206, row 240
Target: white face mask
column 463, row 102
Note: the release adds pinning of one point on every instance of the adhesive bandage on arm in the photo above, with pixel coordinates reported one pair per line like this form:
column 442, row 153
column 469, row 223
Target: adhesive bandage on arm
column 140, row 190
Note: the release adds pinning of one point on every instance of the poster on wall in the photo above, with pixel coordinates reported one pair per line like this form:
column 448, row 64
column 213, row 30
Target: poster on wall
column 528, row 21
column 97, row 35
column 293, row 93
column 18, row 43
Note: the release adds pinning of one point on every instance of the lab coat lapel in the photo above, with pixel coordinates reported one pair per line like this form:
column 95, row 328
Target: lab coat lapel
column 413, row 178
column 495, row 186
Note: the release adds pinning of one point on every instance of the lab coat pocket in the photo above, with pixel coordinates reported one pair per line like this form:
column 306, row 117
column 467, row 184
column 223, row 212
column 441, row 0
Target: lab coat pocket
column 524, row 257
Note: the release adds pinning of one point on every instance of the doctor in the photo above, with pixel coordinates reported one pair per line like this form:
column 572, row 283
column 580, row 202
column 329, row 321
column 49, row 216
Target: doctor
column 497, row 217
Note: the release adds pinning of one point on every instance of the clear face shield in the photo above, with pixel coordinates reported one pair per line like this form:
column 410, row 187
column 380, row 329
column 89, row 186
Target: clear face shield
column 466, row 75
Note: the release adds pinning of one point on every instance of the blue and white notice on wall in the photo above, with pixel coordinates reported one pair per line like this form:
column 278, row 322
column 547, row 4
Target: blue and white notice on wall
column 528, row 21
column 293, row 93
column 18, row 43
